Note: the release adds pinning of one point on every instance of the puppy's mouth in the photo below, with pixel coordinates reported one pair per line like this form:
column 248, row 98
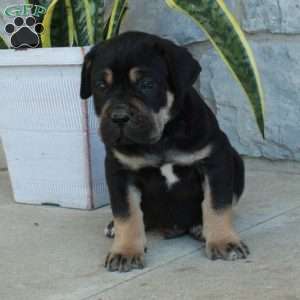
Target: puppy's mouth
column 121, row 139
column 118, row 135
column 129, row 139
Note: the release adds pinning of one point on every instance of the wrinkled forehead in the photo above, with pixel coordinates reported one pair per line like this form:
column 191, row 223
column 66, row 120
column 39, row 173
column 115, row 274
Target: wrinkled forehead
column 135, row 60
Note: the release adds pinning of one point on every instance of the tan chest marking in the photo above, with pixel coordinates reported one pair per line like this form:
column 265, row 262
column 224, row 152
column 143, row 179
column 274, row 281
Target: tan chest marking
column 186, row 159
column 171, row 157
column 136, row 162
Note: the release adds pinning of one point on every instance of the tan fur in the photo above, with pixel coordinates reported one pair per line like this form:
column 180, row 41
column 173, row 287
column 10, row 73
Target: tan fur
column 162, row 117
column 130, row 238
column 171, row 157
column 104, row 111
column 186, row 159
column 108, row 76
column 217, row 225
column 136, row 162
column 134, row 74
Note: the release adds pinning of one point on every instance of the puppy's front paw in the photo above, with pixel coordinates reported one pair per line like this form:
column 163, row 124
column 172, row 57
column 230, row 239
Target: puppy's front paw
column 227, row 250
column 124, row 263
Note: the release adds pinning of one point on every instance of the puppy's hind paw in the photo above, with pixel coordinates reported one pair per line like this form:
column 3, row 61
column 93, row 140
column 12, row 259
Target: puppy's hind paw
column 196, row 232
column 109, row 230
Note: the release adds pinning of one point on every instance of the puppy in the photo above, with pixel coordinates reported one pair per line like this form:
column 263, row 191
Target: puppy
column 168, row 164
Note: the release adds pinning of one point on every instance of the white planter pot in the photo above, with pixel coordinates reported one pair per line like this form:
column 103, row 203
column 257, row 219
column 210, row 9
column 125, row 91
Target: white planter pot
column 49, row 134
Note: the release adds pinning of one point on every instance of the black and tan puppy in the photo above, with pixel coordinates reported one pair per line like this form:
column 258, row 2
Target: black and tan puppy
column 168, row 164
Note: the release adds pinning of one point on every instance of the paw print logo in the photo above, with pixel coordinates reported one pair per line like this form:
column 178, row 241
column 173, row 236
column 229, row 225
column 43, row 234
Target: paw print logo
column 24, row 32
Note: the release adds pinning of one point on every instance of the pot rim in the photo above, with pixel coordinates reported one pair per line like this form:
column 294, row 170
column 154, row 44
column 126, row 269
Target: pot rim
column 43, row 56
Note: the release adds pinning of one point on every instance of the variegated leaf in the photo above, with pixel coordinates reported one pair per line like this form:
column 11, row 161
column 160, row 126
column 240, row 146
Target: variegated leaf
column 227, row 37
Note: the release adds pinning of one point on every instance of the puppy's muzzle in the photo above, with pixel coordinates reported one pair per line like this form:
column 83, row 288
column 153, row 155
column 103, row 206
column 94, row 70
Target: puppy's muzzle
column 120, row 115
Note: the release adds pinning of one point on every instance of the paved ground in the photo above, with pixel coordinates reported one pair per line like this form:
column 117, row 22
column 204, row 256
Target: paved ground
column 57, row 254
column 2, row 157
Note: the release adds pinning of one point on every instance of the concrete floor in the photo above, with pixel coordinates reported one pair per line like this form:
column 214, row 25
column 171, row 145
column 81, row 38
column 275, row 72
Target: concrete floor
column 57, row 254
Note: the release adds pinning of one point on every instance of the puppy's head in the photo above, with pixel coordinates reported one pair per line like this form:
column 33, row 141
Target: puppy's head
column 138, row 82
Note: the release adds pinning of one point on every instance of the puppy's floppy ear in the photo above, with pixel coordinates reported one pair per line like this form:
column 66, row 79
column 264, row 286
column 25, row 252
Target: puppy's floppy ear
column 183, row 69
column 86, row 82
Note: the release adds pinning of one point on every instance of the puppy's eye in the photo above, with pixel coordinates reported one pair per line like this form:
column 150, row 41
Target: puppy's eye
column 146, row 84
column 101, row 84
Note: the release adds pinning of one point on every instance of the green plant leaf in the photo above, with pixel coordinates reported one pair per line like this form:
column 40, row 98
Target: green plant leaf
column 72, row 33
column 3, row 44
column 45, row 4
column 89, row 21
column 59, row 26
column 117, row 15
column 47, row 21
column 82, row 13
column 98, row 20
column 224, row 32
column 105, row 29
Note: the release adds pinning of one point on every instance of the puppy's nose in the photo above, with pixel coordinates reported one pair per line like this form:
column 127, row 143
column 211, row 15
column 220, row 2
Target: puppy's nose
column 120, row 116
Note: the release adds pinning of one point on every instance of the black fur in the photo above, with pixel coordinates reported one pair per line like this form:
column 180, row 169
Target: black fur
column 192, row 126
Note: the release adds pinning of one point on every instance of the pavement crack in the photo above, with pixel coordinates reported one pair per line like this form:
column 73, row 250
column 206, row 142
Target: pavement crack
column 269, row 219
column 142, row 274
column 182, row 257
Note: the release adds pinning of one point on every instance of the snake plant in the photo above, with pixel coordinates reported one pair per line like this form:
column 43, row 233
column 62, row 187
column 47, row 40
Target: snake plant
column 81, row 23
column 225, row 34
column 84, row 20
column 2, row 44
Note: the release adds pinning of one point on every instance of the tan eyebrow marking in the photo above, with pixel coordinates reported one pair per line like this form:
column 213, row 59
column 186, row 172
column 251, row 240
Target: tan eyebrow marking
column 134, row 74
column 108, row 76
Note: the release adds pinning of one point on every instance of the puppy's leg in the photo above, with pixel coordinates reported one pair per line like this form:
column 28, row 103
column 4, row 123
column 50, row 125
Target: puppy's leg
column 222, row 241
column 127, row 251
